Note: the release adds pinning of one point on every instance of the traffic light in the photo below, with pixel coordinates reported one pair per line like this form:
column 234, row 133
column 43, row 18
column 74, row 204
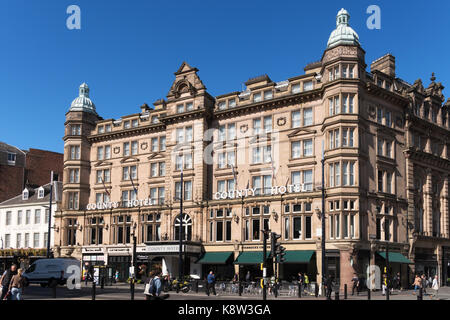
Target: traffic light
column 277, row 250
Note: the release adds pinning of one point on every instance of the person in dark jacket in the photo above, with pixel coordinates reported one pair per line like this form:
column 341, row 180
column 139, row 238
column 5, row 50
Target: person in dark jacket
column 6, row 280
column 355, row 285
column 210, row 283
column 329, row 287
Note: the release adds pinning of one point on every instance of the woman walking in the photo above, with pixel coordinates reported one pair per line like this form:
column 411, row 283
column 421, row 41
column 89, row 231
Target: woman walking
column 435, row 287
column 416, row 283
column 16, row 286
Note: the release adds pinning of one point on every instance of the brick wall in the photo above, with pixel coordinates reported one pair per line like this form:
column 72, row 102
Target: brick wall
column 39, row 165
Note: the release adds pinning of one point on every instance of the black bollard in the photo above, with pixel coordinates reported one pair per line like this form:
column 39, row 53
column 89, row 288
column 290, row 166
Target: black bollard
column 196, row 286
column 368, row 294
column 345, row 291
column 420, row 295
column 54, row 291
column 102, row 282
column 316, row 290
column 299, row 293
column 336, row 295
column 93, row 290
column 240, row 288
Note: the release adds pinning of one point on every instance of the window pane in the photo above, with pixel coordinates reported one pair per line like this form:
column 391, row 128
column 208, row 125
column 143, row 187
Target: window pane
column 297, row 221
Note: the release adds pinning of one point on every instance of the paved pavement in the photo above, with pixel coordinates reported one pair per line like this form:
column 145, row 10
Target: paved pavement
column 122, row 292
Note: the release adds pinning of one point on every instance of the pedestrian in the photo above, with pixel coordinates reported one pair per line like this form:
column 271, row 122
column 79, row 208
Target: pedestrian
column 435, row 287
column 153, row 286
column 329, row 287
column 300, row 279
column 6, row 280
column 306, row 282
column 210, row 283
column 235, row 278
column 355, row 285
column 116, row 277
column 416, row 283
column 248, row 277
column 398, row 282
column 16, row 287
column 423, row 283
column 384, row 284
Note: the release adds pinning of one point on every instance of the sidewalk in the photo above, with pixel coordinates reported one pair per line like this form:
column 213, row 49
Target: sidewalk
column 444, row 294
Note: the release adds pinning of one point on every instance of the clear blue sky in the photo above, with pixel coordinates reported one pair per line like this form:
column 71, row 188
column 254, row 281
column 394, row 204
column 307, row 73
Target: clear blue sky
column 127, row 51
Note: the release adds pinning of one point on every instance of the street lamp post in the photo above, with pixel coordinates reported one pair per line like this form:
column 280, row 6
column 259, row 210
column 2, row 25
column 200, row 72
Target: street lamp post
column 387, row 271
column 133, row 263
column 180, row 257
column 323, row 217
column 50, row 215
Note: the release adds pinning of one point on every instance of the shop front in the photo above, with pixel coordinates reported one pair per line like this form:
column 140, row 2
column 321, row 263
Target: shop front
column 119, row 260
column 250, row 265
column 426, row 262
column 165, row 256
column 398, row 265
column 445, row 266
column 219, row 262
column 298, row 261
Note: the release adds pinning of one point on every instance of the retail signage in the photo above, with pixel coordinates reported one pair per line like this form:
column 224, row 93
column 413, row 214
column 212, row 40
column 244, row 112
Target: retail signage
column 275, row 190
column 232, row 194
column 171, row 248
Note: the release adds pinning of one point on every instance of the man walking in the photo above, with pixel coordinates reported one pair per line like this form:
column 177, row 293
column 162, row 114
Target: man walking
column 355, row 285
column 210, row 283
column 329, row 287
column 5, row 280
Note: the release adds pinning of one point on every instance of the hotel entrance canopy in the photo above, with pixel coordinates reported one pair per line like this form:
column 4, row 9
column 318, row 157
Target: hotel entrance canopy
column 395, row 257
column 215, row 257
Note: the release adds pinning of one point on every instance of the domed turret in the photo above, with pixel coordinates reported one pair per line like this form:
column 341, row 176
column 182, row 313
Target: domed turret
column 343, row 34
column 83, row 102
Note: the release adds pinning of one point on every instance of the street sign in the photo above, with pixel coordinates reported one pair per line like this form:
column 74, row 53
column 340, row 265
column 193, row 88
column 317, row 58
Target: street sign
column 131, row 272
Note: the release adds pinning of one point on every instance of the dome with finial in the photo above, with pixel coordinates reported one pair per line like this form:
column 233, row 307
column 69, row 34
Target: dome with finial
column 343, row 34
column 83, row 102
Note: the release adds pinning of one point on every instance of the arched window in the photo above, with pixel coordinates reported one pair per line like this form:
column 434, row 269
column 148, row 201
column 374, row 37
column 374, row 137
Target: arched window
column 187, row 227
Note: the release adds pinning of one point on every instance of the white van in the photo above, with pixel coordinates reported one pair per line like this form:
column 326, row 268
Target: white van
column 48, row 271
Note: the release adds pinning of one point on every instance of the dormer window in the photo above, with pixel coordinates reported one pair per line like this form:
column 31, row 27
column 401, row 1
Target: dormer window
column 134, row 123
column 257, row 97
column 108, row 128
column 189, row 106
column 25, row 194
column 296, row 88
column 126, row 124
column 222, row 105
column 232, row 103
column 40, row 193
column 307, row 85
column 101, row 129
column 11, row 159
column 154, row 119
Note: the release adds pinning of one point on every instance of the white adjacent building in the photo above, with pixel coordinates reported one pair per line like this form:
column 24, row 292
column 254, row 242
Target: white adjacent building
column 24, row 220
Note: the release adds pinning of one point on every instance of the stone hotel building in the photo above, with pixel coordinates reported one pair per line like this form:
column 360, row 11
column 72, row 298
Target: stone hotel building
column 253, row 159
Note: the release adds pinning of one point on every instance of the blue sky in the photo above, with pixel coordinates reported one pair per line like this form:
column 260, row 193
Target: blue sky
column 127, row 51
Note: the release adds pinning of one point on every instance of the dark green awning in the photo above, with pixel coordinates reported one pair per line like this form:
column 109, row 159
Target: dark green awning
column 250, row 257
column 298, row 256
column 215, row 257
column 395, row 257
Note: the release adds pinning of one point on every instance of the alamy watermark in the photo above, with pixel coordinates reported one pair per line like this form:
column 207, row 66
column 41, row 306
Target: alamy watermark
column 74, row 20
column 374, row 20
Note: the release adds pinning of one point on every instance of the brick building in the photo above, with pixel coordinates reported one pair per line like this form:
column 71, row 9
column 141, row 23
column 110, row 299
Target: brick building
column 21, row 168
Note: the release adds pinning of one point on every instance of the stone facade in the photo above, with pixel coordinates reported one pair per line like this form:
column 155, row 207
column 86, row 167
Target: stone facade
column 385, row 187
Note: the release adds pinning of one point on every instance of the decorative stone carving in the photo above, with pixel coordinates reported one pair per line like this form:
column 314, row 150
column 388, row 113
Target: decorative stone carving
column 244, row 128
column 281, row 121
column 144, row 145
column 116, row 150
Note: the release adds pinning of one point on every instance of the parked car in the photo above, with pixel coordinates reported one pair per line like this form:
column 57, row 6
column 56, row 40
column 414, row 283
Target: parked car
column 49, row 272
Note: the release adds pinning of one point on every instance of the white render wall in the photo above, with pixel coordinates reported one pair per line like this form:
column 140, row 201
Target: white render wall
column 13, row 229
